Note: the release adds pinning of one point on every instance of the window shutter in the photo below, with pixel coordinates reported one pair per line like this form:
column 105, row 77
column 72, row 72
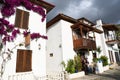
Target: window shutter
column 25, row 20
column 27, row 40
column 18, row 18
column 20, row 58
column 24, row 60
column 28, row 60
column 21, row 19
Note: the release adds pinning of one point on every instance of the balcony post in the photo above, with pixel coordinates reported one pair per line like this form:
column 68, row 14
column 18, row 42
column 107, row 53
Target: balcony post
column 81, row 33
column 93, row 35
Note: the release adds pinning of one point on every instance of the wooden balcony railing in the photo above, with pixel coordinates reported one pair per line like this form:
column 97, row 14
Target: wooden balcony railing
column 83, row 43
column 111, row 40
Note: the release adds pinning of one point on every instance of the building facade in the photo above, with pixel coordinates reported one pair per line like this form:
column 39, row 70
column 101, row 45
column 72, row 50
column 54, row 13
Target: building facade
column 31, row 56
column 109, row 42
column 68, row 37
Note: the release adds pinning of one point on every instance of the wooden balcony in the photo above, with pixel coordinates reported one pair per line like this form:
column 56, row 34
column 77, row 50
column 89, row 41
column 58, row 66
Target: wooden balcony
column 111, row 40
column 84, row 44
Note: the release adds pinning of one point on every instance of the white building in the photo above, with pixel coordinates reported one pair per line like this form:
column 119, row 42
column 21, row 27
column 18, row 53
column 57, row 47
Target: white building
column 108, row 42
column 68, row 36
column 32, row 56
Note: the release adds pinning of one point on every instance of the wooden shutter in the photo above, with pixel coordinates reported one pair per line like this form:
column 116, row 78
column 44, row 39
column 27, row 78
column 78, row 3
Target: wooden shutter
column 24, row 60
column 21, row 19
column 25, row 20
column 27, row 40
column 20, row 56
column 18, row 18
column 28, row 60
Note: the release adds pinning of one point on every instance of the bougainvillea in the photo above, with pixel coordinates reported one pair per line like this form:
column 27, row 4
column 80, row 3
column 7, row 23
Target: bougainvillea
column 8, row 8
column 25, row 33
column 7, row 30
column 37, row 35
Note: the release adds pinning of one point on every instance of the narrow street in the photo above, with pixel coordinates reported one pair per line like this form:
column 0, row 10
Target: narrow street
column 113, row 74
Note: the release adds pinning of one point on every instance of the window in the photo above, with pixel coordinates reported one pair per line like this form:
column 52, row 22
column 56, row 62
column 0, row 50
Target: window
column 24, row 60
column 27, row 40
column 21, row 19
column 111, row 56
column 51, row 54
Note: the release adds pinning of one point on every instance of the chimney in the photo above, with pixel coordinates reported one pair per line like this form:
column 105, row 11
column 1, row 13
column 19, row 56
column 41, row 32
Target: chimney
column 99, row 24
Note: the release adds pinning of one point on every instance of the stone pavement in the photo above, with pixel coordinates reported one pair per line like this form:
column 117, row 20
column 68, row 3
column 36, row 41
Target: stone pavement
column 113, row 74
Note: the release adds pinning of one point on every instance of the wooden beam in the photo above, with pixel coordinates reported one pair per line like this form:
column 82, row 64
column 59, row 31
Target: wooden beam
column 81, row 30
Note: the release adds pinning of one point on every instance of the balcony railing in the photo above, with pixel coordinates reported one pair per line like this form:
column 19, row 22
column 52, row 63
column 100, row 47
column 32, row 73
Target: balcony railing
column 83, row 43
column 111, row 40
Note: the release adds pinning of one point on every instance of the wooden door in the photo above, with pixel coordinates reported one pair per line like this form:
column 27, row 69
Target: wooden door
column 24, row 60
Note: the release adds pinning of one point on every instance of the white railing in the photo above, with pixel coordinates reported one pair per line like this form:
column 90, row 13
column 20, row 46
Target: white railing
column 55, row 75
column 22, row 76
column 30, row 76
column 42, row 78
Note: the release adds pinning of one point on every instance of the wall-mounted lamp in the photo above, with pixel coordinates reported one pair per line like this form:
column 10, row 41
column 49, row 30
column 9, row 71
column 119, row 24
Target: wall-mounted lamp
column 39, row 46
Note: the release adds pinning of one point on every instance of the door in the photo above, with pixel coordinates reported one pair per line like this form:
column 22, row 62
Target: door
column 24, row 60
column 117, row 57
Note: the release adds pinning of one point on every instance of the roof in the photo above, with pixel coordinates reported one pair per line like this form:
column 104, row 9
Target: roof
column 42, row 3
column 86, row 26
column 110, row 27
column 83, row 18
column 59, row 17
column 72, row 20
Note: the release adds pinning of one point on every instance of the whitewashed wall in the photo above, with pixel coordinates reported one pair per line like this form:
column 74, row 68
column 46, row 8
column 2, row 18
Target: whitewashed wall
column 67, row 41
column 53, row 47
column 59, row 43
column 38, row 56
column 101, row 41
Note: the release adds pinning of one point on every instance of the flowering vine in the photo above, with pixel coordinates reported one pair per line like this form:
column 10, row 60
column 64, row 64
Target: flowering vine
column 8, row 32
column 8, row 8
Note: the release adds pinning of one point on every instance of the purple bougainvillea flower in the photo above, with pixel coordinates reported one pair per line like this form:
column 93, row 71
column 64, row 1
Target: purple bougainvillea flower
column 4, row 40
column 25, row 33
column 44, row 37
column 13, row 2
column 3, row 21
column 3, row 31
column 35, row 36
column 10, row 28
column 7, row 38
column 28, row 5
column 1, row 25
column 40, row 11
column 15, row 32
column 7, row 10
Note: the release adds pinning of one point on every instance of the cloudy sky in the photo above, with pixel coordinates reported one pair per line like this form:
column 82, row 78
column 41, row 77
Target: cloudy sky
column 107, row 10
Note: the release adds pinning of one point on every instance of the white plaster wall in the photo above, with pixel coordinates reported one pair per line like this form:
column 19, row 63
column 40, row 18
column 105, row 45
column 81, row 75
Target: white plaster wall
column 59, row 43
column 54, row 46
column 67, row 41
column 38, row 56
column 101, row 41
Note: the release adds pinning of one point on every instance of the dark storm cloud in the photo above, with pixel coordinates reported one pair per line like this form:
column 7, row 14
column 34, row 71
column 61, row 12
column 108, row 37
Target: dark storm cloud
column 107, row 10
column 60, row 7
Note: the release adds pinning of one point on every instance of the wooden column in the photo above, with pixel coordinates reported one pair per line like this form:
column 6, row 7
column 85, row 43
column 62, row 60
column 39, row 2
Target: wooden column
column 81, row 31
column 88, row 32
column 94, row 35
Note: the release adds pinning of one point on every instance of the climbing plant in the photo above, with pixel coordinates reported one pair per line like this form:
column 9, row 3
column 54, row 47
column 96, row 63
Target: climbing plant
column 8, row 33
